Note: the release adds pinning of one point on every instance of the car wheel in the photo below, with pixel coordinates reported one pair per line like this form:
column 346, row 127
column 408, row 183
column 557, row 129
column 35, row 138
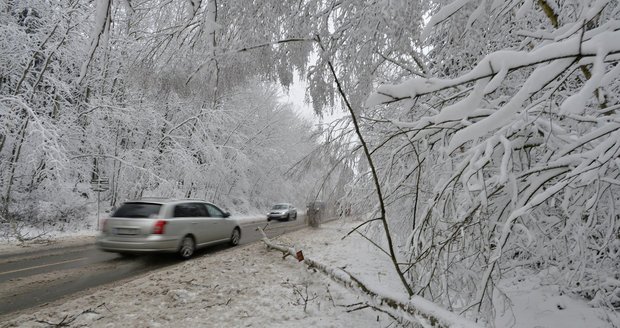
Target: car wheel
column 235, row 237
column 187, row 247
column 127, row 255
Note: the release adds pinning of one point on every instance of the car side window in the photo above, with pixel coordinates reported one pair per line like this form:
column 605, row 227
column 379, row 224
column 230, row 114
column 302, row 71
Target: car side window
column 201, row 210
column 214, row 212
column 181, row 211
column 189, row 210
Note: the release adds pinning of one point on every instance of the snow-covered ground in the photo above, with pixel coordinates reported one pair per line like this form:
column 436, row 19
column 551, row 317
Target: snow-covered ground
column 251, row 286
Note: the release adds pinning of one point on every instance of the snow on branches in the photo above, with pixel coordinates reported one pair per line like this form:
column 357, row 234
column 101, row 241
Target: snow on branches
column 520, row 150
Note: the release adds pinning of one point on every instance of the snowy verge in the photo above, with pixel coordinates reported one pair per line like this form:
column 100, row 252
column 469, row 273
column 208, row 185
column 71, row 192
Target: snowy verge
column 532, row 302
column 81, row 239
column 415, row 310
column 535, row 301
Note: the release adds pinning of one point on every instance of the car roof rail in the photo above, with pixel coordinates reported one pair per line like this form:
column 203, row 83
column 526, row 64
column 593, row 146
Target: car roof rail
column 196, row 199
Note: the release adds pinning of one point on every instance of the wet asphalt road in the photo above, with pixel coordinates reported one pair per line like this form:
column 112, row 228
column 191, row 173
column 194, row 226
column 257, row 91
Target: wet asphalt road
column 30, row 280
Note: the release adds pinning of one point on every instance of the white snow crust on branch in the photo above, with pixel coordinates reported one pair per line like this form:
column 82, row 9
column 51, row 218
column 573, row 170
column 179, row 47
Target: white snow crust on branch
column 442, row 15
column 99, row 35
column 490, row 72
column 415, row 309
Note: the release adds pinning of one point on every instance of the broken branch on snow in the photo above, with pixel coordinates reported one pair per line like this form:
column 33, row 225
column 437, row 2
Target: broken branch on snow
column 414, row 309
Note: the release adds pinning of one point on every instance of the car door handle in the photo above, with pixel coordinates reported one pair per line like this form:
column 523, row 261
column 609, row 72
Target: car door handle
column 194, row 222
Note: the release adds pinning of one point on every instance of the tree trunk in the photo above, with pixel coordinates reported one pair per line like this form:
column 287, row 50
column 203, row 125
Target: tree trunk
column 13, row 164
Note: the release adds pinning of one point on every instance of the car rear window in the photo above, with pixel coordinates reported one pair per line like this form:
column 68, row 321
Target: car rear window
column 137, row 210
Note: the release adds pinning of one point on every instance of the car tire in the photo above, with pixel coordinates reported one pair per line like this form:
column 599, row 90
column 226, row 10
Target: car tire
column 187, row 248
column 127, row 255
column 235, row 237
column 288, row 217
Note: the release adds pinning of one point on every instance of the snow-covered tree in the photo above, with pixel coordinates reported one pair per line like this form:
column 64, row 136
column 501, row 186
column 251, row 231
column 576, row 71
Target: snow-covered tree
column 87, row 92
column 506, row 157
column 39, row 53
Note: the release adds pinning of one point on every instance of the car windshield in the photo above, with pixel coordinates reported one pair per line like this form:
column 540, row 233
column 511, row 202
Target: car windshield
column 279, row 207
column 136, row 210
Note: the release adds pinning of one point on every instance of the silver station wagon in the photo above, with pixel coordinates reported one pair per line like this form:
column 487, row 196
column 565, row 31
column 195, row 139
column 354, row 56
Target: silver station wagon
column 180, row 226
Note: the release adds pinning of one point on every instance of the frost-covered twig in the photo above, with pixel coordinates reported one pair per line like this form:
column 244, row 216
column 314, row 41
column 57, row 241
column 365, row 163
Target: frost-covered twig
column 67, row 320
column 374, row 174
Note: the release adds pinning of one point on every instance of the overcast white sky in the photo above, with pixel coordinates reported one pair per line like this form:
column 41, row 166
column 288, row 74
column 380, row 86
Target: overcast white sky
column 296, row 96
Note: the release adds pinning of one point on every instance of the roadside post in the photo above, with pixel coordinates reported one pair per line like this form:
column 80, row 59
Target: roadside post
column 100, row 184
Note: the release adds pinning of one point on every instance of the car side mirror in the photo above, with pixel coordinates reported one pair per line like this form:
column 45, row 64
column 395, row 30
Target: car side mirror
column 226, row 214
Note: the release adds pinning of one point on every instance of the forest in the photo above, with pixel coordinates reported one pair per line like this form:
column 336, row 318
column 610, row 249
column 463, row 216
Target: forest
column 481, row 137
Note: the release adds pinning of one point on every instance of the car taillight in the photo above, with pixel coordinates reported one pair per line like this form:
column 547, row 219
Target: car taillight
column 158, row 229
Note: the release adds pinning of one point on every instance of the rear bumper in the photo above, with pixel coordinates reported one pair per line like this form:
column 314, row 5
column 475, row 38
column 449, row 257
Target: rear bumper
column 147, row 244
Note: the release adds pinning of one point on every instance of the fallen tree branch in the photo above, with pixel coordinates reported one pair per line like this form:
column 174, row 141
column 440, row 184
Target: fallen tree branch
column 286, row 251
column 414, row 309
column 68, row 320
column 219, row 304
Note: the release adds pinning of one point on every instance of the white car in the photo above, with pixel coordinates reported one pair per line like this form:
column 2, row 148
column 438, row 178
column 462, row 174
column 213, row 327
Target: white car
column 282, row 211
column 180, row 226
